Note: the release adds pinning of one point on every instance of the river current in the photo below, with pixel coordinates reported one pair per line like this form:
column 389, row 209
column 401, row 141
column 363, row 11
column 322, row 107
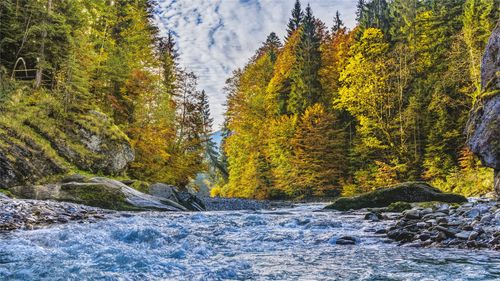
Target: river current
column 286, row 244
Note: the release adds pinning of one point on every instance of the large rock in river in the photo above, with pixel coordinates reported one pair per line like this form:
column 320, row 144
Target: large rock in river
column 404, row 192
column 175, row 194
column 97, row 192
column 483, row 128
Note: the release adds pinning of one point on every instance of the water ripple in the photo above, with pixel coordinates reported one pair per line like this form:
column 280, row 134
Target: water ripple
column 294, row 244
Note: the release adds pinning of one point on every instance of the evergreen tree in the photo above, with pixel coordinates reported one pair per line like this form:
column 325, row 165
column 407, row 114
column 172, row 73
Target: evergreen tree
column 305, row 85
column 338, row 24
column 270, row 47
column 296, row 20
column 478, row 24
column 360, row 10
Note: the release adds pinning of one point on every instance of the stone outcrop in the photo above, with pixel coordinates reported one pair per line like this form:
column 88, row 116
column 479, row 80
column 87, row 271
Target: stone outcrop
column 97, row 192
column 483, row 128
column 38, row 140
column 405, row 192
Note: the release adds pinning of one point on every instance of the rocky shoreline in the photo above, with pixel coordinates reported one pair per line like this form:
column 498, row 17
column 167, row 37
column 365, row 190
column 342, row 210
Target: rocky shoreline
column 473, row 225
column 32, row 214
column 26, row 214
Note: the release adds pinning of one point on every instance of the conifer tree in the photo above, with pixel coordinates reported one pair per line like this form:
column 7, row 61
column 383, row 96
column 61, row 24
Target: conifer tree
column 296, row 20
column 305, row 85
column 338, row 24
column 477, row 28
column 271, row 47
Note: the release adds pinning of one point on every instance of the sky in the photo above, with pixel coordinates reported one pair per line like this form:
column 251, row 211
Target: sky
column 216, row 37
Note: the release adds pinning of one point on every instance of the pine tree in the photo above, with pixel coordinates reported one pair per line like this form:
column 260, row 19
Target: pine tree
column 270, row 47
column 305, row 85
column 338, row 24
column 169, row 62
column 296, row 20
column 360, row 10
column 477, row 28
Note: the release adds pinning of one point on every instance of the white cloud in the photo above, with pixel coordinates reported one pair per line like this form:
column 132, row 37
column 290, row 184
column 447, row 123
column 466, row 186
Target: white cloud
column 216, row 37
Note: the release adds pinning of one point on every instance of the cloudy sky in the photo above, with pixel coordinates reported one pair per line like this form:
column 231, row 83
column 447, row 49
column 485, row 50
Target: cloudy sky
column 216, row 37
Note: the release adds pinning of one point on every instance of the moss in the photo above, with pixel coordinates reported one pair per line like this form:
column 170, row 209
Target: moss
column 96, row 195
column 406, row 192
column 140, row 186
column 399, row 206
column 6, row 192
column 435, row 204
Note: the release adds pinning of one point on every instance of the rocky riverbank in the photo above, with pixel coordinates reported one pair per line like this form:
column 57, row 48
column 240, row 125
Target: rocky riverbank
column 235, row 204
column 474, row 225
column 30, row 214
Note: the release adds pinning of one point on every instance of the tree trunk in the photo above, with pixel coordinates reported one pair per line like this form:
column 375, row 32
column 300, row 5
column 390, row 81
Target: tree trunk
column 41, row 59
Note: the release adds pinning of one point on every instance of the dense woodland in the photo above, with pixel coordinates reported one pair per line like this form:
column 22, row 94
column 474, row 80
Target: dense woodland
column 108, row 56
column 332, row 110
column 327, row 110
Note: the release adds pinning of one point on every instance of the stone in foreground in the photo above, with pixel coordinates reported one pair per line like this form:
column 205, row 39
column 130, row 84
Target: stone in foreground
column 404, row 192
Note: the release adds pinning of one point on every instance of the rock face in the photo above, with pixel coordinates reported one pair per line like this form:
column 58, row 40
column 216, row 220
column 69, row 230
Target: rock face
column 405, row 192
column 37, row 141
column 97, row 192
column 483, row 128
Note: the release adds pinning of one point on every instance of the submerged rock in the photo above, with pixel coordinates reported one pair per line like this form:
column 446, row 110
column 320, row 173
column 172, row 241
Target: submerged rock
column 483, row 128
column 406, row 192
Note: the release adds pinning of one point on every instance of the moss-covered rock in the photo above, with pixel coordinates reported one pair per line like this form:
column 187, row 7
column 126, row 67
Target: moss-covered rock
column 97, row 192
column 39, row 139
column 138, row 185
column 398, row 206
column 405, row 192
column 94, row 194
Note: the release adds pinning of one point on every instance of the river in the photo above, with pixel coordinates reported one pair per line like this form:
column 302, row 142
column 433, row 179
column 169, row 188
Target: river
column 286, row 244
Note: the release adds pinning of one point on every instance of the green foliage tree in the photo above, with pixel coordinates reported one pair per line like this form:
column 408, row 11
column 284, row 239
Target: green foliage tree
column 305, row 85
column 296, row 20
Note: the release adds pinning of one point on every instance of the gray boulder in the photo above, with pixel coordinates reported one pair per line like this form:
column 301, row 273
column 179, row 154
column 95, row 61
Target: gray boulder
column 483, row 128
column 98, row 192
column 182, row 197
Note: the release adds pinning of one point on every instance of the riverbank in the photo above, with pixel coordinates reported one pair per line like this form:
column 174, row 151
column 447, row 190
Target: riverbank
column 473, row 225
column 31, row 214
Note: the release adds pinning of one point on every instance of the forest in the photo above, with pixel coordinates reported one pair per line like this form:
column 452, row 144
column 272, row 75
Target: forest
column 62, row 61
column 326, row 111
column 332, row 110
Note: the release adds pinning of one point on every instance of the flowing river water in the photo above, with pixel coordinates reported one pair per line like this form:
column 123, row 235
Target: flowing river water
column 285, row 244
